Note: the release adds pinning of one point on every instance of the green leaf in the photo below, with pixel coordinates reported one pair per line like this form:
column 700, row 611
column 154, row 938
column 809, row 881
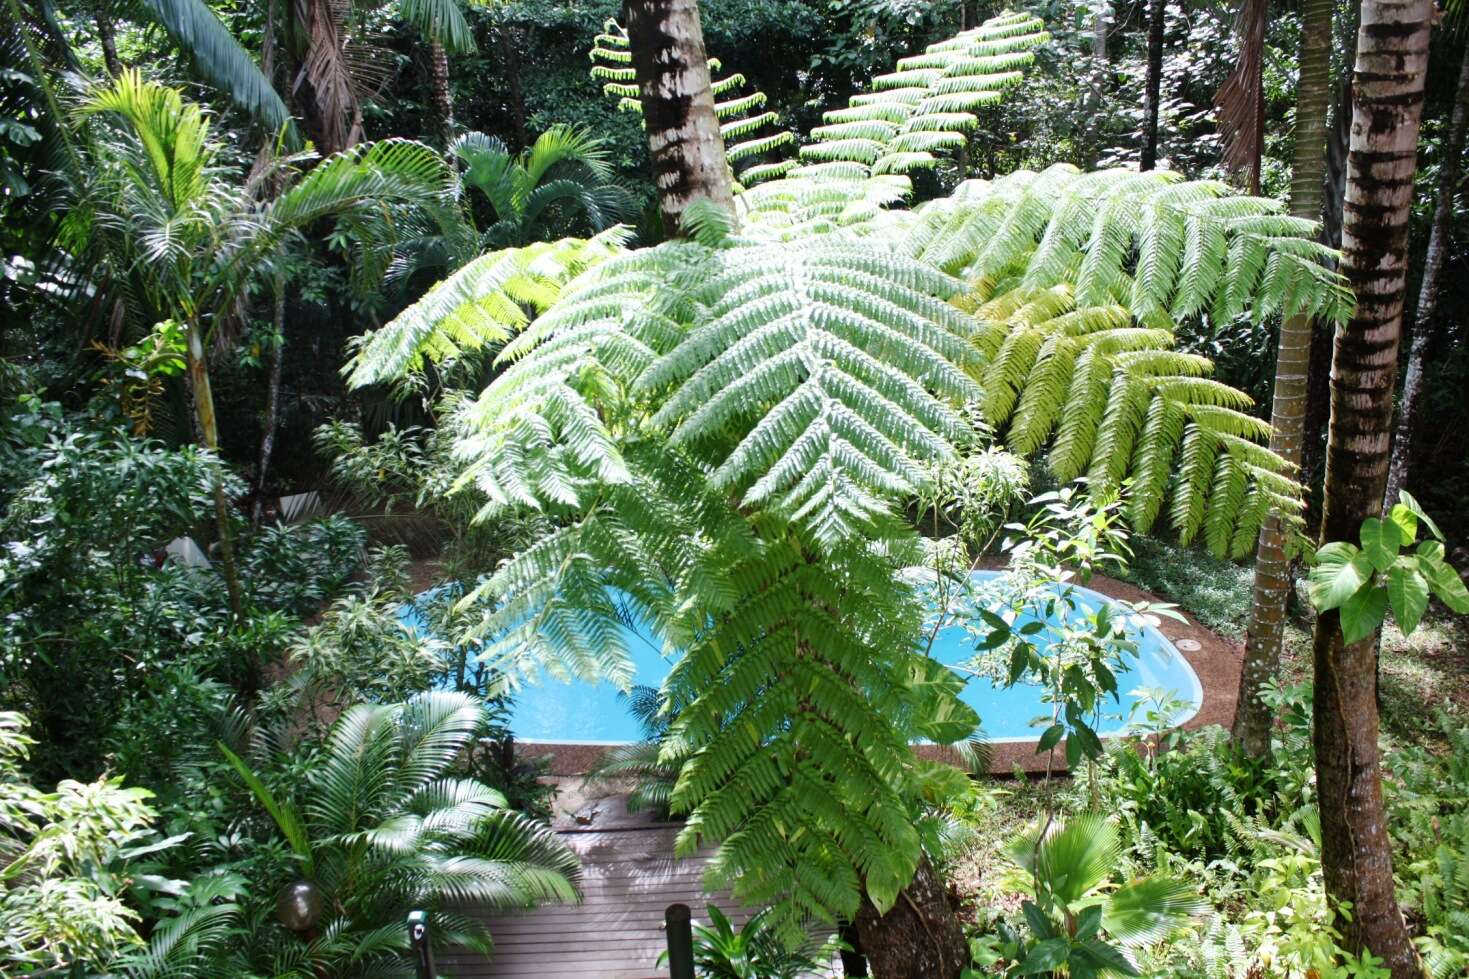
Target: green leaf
column 1052, row 735
column 1444, row 580
column 1045, row 956
column 1088, row 922
column 1040, row 925
column 1381, row 540
column 1406, row 521
column 1339, row 571
column 1149, row 909
column 1361, row 615
column 1406, row 499
column 1408, row 592
column 220, row 58
column 284, row 814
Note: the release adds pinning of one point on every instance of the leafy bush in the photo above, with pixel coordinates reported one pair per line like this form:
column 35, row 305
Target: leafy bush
column 296, row 567
column 379, row 823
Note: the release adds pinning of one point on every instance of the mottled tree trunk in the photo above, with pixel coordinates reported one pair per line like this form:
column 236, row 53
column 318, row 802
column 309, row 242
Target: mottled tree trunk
column 1356, row 852
column 1153, row 84
column 272, row 393
column 1423, row 317
column 1252, row 718
column 919, row 938
column 208, row 428
column 107, row 37
column 678, row 106
column 443, row 98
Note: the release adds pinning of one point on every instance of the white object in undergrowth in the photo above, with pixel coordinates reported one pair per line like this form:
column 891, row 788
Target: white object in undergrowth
column 186, row 552
column 299, row 506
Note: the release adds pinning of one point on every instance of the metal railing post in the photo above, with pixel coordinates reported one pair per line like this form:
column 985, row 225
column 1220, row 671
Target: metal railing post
column 676, row 921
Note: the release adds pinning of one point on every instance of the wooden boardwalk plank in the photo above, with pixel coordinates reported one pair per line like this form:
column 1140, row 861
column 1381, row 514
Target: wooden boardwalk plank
column 629, row 877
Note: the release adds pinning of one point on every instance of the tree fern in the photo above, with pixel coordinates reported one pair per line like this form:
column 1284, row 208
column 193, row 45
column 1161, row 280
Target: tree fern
column 724, row 432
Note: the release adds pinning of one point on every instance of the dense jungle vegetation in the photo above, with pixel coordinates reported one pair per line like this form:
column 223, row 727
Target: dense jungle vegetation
column 764, row 323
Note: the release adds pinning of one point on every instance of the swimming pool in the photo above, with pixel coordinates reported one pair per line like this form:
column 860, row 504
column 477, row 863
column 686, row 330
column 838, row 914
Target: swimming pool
column 552, row 712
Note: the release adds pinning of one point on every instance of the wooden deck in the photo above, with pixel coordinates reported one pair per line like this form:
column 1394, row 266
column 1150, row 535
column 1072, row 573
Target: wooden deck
column 629, row 876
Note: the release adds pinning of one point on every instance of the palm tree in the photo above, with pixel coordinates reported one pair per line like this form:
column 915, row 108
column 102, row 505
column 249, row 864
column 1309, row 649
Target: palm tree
column 684, row 140
column 1292, row 372
column 192, row 241
column 1433, row 263
column 1356, row 854
column 1073, row 918
column 565, row 174
column 382, row 826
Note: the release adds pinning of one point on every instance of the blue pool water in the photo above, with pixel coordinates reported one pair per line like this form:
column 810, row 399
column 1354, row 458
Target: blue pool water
column 553, row 712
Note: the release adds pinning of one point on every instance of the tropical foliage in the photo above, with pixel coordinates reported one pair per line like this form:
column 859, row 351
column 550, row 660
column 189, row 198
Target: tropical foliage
column 946, row 323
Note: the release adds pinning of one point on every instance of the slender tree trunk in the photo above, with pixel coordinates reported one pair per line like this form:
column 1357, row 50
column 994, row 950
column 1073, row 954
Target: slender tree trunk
column 1153, row 86
column 1097, row 88
column 510, row 56
column 1252, row 718
column 272, row 393
column 209, row 436
column 678, row 106
column 1423, row 316
column 107, row 37
column 443, row 98
column 1356, row 852
column 919, row 938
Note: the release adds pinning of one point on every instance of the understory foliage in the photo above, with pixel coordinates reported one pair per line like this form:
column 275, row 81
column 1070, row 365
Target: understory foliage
column 724, row 432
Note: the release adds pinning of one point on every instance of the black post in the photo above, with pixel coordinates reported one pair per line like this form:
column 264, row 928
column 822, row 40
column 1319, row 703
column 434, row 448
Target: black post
column 419, row 944
column 680, row 941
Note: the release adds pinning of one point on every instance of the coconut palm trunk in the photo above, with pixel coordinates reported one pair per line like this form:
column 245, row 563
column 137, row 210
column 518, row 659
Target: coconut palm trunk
column 1356, row 853
column 1153, row 84
column 1433, row 262
column 684, row 141
column 1292, row 373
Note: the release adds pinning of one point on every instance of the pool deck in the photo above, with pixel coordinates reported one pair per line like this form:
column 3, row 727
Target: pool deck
column 629, row 877
column 1215, row 660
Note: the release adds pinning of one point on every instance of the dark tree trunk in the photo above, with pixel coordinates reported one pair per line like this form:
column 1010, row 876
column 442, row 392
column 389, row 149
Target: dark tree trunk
column 919, row 938
column 1356, row 852
column 1433, row 262
column 1266, row 632
column 1153, row 85
column 510, row 55
column 107, row 37
column 443, row 97
column 678, row 106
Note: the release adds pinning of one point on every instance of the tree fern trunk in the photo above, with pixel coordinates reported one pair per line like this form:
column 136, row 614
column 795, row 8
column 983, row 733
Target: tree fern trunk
column 678, row 106
column 920, row 937
column 204, row 417
column 1356, row 854
column 1153, row 85
column 1423, row 316
column 443, row 97
column 1292, row 371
